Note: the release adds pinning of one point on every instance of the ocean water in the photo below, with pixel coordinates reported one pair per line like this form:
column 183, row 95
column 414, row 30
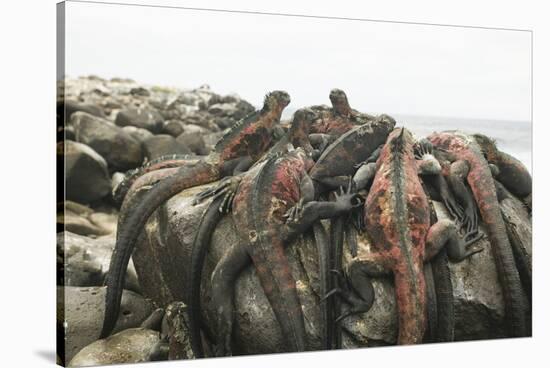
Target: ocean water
column 512, row 137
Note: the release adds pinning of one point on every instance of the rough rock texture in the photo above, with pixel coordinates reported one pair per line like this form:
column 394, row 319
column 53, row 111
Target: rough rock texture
column 119, row 148
column 134, row 345
column 194, row 141
column 145, row 118
column 83, row 261
column 86, row 175
column 177, row 322
column 173, row 128
column 158, row 260
column 72, row 106
column 80, row 313
column 138, row 134
column 163, row 144
column 83, row 220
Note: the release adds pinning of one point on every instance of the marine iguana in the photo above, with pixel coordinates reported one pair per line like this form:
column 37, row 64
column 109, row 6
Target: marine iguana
column 463, row 148
column 511, row 172
column 273, row 205
column 223, row 197
column 245, row 142
column 340, row 118
column 342, row 158
column 397, row 219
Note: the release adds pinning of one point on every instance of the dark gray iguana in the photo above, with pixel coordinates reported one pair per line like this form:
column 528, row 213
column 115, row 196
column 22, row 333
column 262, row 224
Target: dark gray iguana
column 238, row 149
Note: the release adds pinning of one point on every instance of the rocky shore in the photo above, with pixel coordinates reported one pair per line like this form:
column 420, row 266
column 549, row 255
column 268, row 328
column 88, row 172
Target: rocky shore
column 112, row 126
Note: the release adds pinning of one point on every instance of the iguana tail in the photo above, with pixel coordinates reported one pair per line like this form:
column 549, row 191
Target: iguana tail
column 187, row 176
column 484, row 192
column 322, row 243
column 209, row 220
column 163, row 162
column 273, row 270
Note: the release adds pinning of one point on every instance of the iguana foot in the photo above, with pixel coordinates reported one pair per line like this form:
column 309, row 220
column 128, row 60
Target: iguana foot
column 227, row 188
column 470, row 219
column 357, row 293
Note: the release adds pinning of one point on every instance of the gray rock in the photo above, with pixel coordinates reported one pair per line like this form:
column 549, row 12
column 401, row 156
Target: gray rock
column 194, row 141
column 83, row 261
column 223, row 109
column 72, row 106
column 146, row 118
column 120, row 149
column 140, row 91
column 86, row 174
column 139, row 134
column 173, row 128
column 477, row 293
column 82, row 220
column 134, row 345
column 177, row 323
column 161, row 145
column 81, row 310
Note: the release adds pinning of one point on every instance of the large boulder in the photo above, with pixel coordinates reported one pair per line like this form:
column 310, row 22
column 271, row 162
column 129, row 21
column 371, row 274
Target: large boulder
column 194, row 141
column 134, row 345
column 166, row 246
column 120, row 149
column 82, row 220
column 86, row 175
column 146, row 118
column 80, row 312
column 163, row 144
column 68, row 107
column 139, row 134
column 83, row 261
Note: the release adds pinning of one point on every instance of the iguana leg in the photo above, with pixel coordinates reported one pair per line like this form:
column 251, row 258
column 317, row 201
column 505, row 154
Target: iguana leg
column 356, row 288
column 243, row 165
column 445, row 234
column 223, row 285
column 320, row 140
column 302, row 216
column 226, row 188
column 458, row 173
column 364, row 175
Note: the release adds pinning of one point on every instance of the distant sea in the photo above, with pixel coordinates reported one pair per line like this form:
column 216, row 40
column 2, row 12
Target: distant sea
column 512, row 137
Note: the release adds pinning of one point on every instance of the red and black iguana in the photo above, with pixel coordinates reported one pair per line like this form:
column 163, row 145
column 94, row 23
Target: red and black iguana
column 397, row 220
column 246, row 141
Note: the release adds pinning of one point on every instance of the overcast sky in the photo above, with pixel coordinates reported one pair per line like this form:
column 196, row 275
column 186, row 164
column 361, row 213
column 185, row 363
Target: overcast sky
column 383, row 67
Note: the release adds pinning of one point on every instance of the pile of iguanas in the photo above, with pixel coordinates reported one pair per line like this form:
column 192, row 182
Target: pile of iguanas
column 363, row 173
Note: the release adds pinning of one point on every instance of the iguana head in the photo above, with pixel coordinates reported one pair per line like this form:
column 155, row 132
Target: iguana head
column 302, row 119
column 340, row 102
column 276, row 101
column 299, row 128
column 488, row 146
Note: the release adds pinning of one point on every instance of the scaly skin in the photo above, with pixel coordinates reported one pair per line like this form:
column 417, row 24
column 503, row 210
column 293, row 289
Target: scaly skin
column 247, row 140
column 511, row 172
column 341, row 118
column 482, row 185
column 341, row 158
column 272, row 206
column 164, row 162
column 397, row 219
column 222, row 203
